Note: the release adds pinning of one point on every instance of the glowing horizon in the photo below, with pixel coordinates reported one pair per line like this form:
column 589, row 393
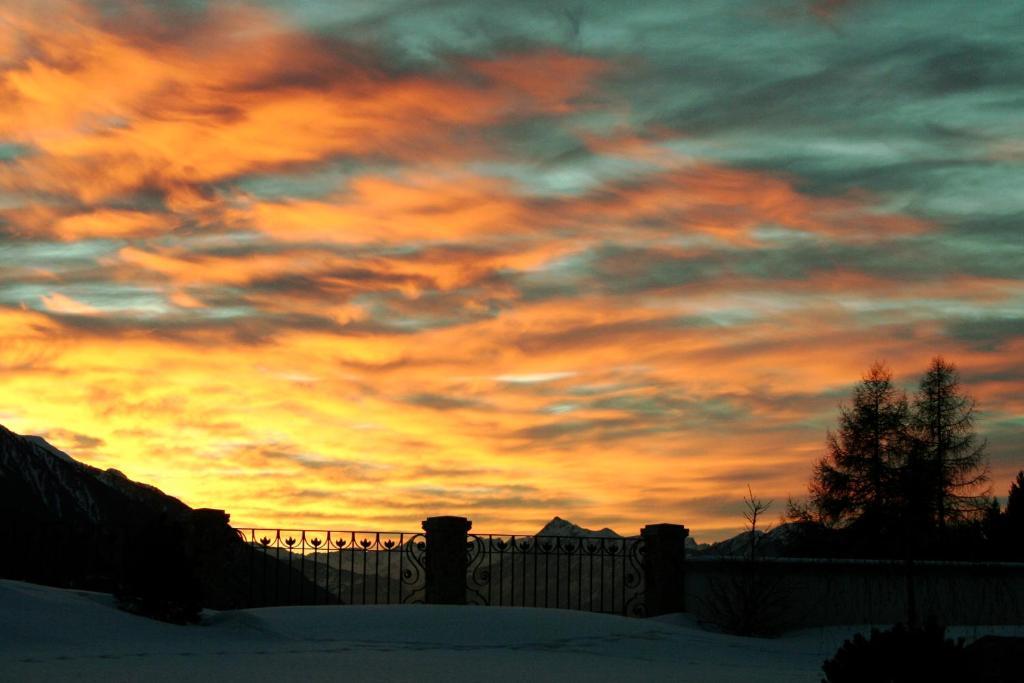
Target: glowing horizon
column 329, row 267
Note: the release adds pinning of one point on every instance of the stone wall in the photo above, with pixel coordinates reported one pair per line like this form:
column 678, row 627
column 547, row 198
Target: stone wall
column 810, row 592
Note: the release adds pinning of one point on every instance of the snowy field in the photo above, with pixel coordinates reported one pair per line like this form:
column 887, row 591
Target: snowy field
column 48, row 634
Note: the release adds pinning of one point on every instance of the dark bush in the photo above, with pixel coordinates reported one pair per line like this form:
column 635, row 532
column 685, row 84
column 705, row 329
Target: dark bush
column 899, row 655
column 997, row 659
column 750, row 600
column 159, row 579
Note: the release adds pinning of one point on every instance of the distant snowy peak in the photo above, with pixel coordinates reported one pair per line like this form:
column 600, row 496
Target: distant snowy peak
column 776, row 542
column 44, row 475
column 41, row 443
column 563, row 527
column 693, row 545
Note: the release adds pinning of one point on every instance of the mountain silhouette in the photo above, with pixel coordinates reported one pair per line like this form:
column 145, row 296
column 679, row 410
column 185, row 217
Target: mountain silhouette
column 70, row 524
column 49, row 485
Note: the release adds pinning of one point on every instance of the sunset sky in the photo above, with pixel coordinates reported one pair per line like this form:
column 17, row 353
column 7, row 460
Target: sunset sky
column 350, row 264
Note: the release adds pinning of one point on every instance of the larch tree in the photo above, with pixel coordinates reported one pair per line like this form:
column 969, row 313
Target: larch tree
column 947, row 459
column 857, row 480
column 1015, row 516
column 1015, row 500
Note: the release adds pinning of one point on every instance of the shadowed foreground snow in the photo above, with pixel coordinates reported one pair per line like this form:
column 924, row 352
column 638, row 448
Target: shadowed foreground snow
column 48, row 634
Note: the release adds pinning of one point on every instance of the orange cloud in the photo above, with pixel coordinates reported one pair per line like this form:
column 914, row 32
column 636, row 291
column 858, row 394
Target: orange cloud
column 59, row 303
column 184, row 269
column 107, row 223
column 730, row 205
column 549, row 79
column 110, row 115
column 681, row 198
column 185, row 300
column 419, row 208
column 828, row 9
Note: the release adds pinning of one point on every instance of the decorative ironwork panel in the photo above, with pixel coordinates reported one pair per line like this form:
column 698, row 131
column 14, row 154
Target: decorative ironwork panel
column 594, row 573
column 303, row 567
column 634, row 580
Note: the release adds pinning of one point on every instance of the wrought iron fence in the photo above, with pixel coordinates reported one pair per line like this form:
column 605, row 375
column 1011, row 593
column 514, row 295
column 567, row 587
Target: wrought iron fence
column 596, row 574
column 295, row 566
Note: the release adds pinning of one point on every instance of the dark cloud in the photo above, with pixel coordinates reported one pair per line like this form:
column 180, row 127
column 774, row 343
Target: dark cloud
column 353, row 469
column 987, row 333
column 72, row 441
column 716, row 505
column 584, row 336
column 10, row 151
column 528, row 503
column 599, row 430
column 441, row 402
column 971, row 66
column 449, row 471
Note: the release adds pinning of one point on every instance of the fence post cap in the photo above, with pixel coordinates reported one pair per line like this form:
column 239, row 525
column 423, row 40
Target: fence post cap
column 211, row 515
column 665, row 530
column 447, row 523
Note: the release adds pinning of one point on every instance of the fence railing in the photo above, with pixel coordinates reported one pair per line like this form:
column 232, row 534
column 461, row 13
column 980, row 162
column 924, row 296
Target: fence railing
column 590, row 573
column 443, row 564
column 297, row 566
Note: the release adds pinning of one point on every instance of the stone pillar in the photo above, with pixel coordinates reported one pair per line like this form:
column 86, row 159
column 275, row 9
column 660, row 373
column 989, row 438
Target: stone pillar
column 664, row 552
column 445, row 561
column 214, row 550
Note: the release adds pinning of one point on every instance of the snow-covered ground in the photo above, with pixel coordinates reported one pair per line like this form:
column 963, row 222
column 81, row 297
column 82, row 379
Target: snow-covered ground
column 47, row 634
